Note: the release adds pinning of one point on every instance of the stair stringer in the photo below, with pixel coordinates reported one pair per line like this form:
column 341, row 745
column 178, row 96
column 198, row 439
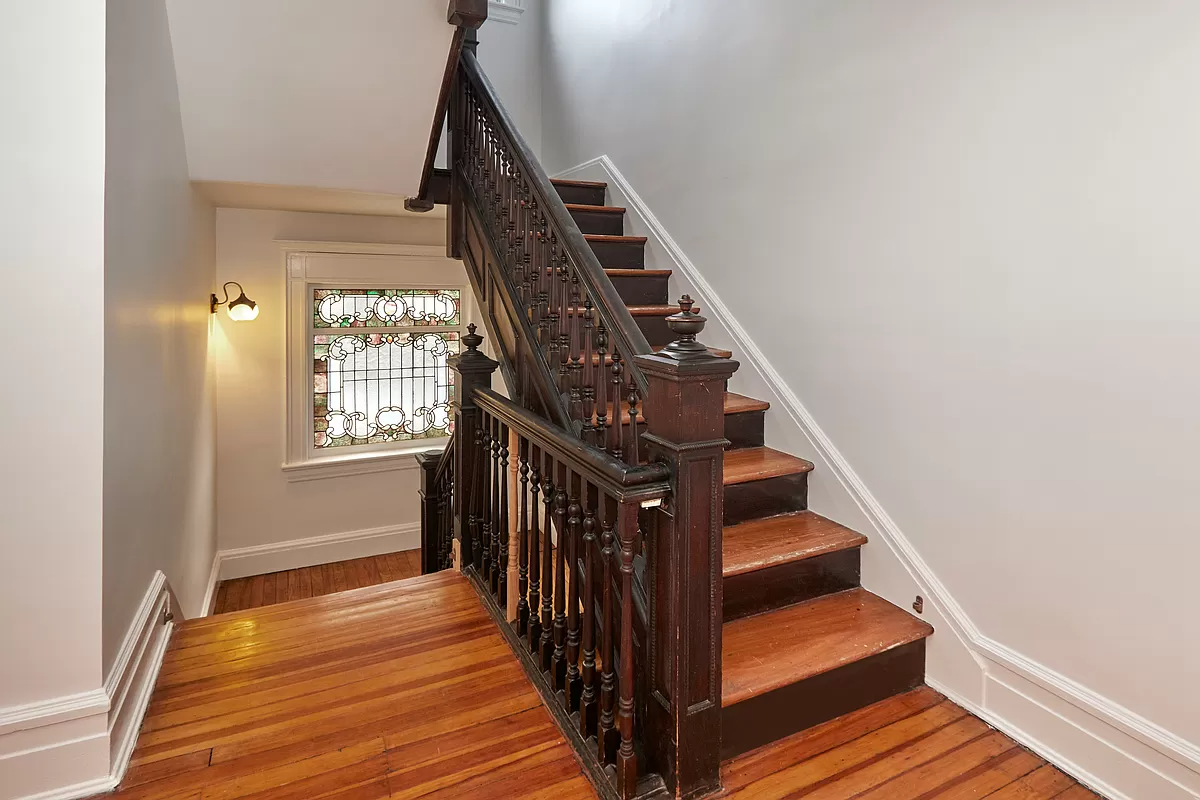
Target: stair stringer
column 1104, row 745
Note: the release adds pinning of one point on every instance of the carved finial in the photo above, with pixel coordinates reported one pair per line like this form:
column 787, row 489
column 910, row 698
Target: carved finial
column 472, row 340
column 686, row 325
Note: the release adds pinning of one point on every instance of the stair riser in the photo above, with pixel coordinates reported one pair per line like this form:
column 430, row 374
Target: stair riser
column 745, row 429
column 776, row 587
column 799, row 706
column 642, row 291
column 655, row 330
column 620, row 255
column 766, row 498
column 581, row 195
column 608, row 223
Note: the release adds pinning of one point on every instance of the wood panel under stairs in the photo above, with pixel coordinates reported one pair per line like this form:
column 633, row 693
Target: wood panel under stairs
column 803, row 642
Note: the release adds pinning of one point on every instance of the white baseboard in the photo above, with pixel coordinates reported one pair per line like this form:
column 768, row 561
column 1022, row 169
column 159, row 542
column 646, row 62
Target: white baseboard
column 1106, row 746
column 131, row 681
column 210, row 590
column 261, row 559
column 79, row 746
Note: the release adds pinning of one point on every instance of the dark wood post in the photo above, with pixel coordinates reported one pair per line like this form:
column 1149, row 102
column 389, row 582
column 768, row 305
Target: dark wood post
column 474, row 370
column 430, row 520
column 685, row 422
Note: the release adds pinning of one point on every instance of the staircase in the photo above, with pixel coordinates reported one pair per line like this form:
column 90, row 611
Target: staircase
column 652, row 563
column 802, row 641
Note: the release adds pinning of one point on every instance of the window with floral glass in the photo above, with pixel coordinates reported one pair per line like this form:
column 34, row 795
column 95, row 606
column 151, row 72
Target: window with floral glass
column 380, row 365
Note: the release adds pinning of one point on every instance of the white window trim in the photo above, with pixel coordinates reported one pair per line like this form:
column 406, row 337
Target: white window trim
column 508, row 11
column 425, row 266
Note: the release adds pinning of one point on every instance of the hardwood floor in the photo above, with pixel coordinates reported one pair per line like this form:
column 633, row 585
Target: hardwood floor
column 402, row 690
column 406, row 690
column 916, row 746
column 241, row 594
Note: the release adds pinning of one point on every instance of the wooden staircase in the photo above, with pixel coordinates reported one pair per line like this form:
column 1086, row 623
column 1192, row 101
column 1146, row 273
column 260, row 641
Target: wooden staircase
column 802, row 641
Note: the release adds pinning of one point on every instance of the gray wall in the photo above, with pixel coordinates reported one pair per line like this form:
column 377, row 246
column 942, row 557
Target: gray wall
column 159, row 267
column 965, row 233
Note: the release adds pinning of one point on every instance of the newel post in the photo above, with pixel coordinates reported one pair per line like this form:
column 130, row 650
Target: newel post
column 430, row 519
column 474, row 371
column 685, row 419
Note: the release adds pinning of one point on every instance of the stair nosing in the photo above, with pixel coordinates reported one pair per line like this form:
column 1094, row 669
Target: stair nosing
column 916, row 630
column 614, row 238
column 802, row 468
column 572, row 182
column 635, row 272
column 851, row 540
column 595, row 209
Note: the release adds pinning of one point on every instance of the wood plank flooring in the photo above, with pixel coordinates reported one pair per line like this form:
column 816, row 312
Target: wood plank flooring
column 242, row 594
column 916, row 746
column 406, row 690
column 402, row 690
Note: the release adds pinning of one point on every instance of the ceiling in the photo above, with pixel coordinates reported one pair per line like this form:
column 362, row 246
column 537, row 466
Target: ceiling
column 309, row 93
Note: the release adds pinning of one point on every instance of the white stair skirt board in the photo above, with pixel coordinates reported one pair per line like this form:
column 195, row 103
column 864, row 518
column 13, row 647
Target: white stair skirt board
column 1106, row 746
column 262, row 559
column 79, row 746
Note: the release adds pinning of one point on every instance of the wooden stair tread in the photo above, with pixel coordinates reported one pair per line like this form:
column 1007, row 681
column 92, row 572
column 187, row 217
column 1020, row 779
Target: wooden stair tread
column 594, row 209
column 638, row 273
column 762, row 543
column 586, row 184
column 759, row 463
column 772, row 650
column 740, row 403
column 653, row 311
column 605, row 237
column 734, row 404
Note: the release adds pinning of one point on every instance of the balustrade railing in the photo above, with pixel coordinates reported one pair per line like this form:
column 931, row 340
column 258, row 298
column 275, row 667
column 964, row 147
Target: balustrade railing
column 579, row 335
column 601, row 477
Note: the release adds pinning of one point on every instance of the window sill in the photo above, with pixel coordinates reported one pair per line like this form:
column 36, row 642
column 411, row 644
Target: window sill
column 505, row 12
column 361, row 463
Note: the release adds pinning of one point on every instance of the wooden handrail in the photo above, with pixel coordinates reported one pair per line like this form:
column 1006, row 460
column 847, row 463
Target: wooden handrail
column 464, row 15
column 613, row 312
column 628, row 482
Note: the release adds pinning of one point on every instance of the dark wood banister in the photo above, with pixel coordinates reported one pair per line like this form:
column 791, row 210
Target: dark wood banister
column 464, row 15
column 612, row 310
column 622, row 478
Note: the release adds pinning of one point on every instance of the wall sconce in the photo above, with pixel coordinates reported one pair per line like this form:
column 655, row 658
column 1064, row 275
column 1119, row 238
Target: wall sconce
column 241, row 308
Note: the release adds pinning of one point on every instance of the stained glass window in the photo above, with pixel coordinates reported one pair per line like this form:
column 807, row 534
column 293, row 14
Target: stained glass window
column 385, row 308
column 386, row 378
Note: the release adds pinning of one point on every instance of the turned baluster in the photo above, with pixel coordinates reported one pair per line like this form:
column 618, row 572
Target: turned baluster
column 474, row 499
column 523, row 529
column 600, row 389
column 558, row 674
column 545, row 272
column 502, row 576
column 627, row 531
column 606, row 736
column 614, row 443
column 498, row 532
column 546, row 642
column 574, row 535
column 485, row 499
column 584, row 369
column 554, row 329
column 534, row 630
column 570, row 300
column 632, row 449
column 587, row 698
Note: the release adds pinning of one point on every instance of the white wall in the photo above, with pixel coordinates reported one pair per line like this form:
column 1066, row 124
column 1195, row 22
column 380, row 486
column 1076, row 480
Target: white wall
column 963, row 233
column 256, row 503
column 308, row 92
column 511, row 55
column 52, row 207
column 159, row 498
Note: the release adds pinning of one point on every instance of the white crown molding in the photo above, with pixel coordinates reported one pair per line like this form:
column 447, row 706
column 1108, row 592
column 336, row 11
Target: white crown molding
column 992, row 656
column 507, row 12
column 278, row 556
